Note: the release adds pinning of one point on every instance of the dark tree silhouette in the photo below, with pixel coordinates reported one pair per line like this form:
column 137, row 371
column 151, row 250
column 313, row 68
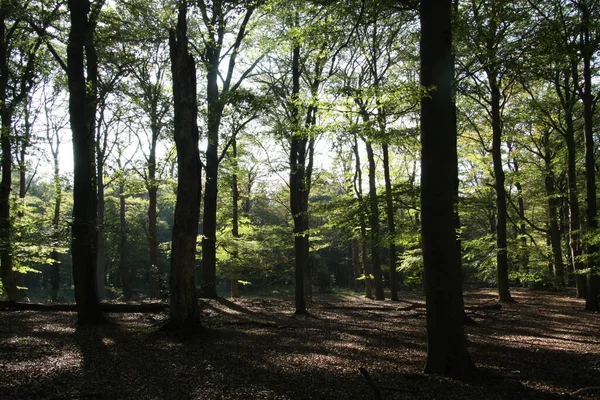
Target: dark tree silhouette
column 184, row 312
column 446, row 346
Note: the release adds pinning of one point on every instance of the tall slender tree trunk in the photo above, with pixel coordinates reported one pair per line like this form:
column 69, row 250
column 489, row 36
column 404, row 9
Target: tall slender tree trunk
column 374, row 225
column 123, row 250
column 55, row 267
column 82, row 110
column 568, row 100
column 297, row 188
column 209, row 233
column 389, row 201
column 152, row 211
column 184, row 311
column 558, row 267
column 235, row 220
column 101, row 270
column 446, row 346
column 501, row 209
column 363, row 225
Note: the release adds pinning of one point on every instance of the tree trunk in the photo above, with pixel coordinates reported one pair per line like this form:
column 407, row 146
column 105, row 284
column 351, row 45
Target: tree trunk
column 391, row 224
column 235, row 208
column 55, row 267
column 558, row 267
column 101, row 270
column 363, row 226
column 446, row 346
column 152, row 210
column 123, row 251
column 298, row 190
column 6, row 262
column 82, row 110
column 592, row 302
column 8, row 275
column 574, row 211
column 184, row 311
column 374, row 225
column 501, row 209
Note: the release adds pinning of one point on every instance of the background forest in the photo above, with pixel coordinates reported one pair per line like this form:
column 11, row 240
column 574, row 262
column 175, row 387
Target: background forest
column 309, row 145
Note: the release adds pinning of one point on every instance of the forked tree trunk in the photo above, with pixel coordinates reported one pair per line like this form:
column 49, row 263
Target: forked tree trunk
column 184, row 311
column 446, row 346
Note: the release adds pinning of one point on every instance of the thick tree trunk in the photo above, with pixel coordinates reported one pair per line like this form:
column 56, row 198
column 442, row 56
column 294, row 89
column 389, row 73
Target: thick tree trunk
column 298, row 190
column 8, row 275
column 574, row 211
column 592, row 302
column 184, row 311
column 82, row 110
column 6, row 262
column 446, row 345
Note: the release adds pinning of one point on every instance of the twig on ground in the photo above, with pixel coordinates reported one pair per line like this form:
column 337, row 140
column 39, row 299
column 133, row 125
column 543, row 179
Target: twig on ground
column 585, row 389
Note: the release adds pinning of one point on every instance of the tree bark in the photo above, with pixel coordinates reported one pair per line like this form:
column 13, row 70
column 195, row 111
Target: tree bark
column 184, row 311
column 446, row 346
column 82, row 110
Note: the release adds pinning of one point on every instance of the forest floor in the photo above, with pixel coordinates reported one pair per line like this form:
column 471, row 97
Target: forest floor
column 544, row 346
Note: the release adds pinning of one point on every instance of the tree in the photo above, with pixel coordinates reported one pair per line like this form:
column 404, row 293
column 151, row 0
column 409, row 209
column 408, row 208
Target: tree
column 184, row 310
column 18, row 64
column 82, row 74
column 446, row 346
column 216, row 15
column 495, row 48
